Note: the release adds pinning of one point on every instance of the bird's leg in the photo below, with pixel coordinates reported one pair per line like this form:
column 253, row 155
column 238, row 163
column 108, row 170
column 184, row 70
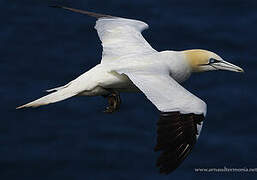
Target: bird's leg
column 114, row 102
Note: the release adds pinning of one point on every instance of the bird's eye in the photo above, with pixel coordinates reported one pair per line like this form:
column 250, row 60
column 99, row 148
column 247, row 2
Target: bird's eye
column 212, row 60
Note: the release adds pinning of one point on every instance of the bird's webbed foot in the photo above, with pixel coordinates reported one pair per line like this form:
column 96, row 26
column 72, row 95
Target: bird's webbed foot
column 114, row 102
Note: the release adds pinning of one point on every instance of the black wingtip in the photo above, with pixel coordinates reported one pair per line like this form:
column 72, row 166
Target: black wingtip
column 96, row 15
column 55, row 6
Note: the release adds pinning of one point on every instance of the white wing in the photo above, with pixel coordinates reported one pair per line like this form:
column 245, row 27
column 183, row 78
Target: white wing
column 122, row 37
column 180, row 120
column 166, row 94
column 119, row 36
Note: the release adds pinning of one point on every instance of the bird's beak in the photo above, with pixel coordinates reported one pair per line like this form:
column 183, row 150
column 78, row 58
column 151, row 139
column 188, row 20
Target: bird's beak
column 224, row 65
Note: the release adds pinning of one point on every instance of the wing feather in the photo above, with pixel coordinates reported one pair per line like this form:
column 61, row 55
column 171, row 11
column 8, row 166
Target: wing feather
column 122, row 37
column 167, row 94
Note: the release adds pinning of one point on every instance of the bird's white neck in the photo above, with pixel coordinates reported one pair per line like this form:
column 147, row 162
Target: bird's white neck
column 178, row 65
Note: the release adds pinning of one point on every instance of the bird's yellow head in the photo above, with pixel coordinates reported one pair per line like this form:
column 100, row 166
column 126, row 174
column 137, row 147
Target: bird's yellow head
column 203, row 60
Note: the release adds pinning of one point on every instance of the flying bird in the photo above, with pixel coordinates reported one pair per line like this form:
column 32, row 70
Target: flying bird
column 130, row 64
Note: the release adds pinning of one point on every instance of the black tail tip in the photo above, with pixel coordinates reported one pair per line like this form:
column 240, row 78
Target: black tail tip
column 55, row 6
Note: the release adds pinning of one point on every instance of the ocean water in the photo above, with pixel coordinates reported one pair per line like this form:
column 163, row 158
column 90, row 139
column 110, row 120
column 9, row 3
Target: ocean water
column 42, row 47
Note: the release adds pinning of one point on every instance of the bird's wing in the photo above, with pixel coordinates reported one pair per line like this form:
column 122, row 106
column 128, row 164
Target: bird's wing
column 120, row 36
column 180, row 119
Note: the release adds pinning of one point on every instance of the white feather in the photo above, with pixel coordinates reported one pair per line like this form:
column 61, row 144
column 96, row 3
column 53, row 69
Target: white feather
column 167, row 94
column 57, row 88
column 122, row 37
column 50, row 98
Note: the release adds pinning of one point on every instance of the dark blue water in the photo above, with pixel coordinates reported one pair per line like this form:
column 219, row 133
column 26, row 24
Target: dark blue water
column 41, row 48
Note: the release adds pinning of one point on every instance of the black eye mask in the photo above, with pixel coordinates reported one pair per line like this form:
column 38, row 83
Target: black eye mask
column 211, row 61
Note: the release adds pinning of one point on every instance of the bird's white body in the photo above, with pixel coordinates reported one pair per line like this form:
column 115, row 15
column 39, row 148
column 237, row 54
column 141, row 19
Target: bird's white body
column 102, row 77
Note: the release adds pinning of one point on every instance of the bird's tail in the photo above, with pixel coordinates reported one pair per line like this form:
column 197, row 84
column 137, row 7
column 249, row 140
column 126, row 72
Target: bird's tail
column 85, row 82
column 59, row 95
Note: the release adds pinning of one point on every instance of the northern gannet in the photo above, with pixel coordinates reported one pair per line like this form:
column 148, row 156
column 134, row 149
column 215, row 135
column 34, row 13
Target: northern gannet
column 130, row 64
